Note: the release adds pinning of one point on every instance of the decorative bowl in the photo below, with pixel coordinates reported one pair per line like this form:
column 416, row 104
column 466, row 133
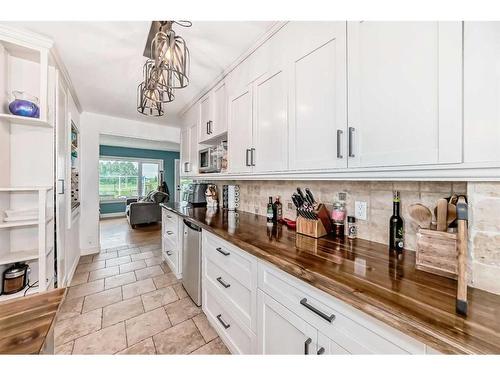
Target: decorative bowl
column 24, row 104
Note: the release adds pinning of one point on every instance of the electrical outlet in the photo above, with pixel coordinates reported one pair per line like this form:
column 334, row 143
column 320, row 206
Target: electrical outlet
column 360, row 210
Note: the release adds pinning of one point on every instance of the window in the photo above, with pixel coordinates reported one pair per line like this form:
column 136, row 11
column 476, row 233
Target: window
column 121, row 178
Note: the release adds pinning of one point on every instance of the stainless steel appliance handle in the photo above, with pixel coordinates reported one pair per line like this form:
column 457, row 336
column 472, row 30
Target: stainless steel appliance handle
column 328, row 318
column 351, row 137
column 224, row 324
column 339, row 143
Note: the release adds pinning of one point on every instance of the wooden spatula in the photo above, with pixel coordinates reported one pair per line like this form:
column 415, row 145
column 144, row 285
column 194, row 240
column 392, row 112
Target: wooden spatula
column 441, row 214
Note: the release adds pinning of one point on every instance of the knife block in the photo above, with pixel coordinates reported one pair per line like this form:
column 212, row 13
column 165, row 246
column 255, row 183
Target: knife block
column 315, row 228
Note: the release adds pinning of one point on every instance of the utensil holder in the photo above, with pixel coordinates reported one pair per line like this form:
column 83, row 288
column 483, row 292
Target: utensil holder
column 437, row 253
column 315, row 228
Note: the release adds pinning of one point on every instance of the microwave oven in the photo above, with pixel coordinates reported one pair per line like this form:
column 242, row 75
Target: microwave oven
column 209, row 160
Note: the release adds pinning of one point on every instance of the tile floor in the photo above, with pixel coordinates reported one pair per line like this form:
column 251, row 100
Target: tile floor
column 125, row 300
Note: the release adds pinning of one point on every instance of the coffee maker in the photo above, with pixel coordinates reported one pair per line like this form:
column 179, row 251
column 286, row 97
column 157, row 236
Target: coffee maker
column 195, row 194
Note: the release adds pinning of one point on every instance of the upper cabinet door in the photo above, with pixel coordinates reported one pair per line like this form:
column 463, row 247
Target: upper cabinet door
column 219, row 124
column 318, row 110
column 240, row 131
column 193, row 149
column 270, row 152
column 205, row 117
column 481, row 92
column 185, row 151
column 404, row 93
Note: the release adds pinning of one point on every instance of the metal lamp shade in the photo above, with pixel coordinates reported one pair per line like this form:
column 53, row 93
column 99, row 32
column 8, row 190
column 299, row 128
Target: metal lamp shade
column 147, row 106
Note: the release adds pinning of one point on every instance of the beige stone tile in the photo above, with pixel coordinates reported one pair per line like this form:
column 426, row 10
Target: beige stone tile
column 64, row 349
column 149, row 272
column 215, row 346
column 165, row 267
column 379, row 225
column 204, row 327
column 158, row 298
column 90, row 266
column 106, row 341
column 103, row 273
column 85, row 289
column 180, row 339
column 145, row 255
column 143, row 347
column 486, row 214
column 86, row 259
column 138, row 288
column 381, row 185
column 115, row 248
column 101, row 299
column 155, row 261
column 117, row 261
column 165, row 280
column 122, row 279
column 181, row 310
column 104, row 256
column 132, row 266
column 459, row 187
column 121, row 311
column 124, row 252
column 381, row 200
column 436, row 187
column 488, row 189
column 146, row 325
column 79, row 278
column 487, row 248
column 179, row 289
column 407, row 186
column 70, row 329
column 70, row 308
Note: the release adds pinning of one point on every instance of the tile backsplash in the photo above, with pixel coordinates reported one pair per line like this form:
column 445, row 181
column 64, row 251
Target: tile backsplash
column 484, row 200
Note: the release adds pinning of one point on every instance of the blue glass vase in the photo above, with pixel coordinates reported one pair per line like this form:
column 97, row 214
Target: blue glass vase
column 24, row 105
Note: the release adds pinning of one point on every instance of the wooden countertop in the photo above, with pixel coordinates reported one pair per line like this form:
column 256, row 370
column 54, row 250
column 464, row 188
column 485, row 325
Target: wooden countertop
column 25, row 322
column 367, row 276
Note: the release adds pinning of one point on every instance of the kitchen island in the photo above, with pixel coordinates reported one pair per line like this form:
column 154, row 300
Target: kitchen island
column 368, row 277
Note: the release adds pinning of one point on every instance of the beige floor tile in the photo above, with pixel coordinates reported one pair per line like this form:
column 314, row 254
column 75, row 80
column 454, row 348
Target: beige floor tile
column 134, row 250
column 85, row 289
column 118, row 280
column 132, row 266
column 165, row 280
column 90, row 266
column 158, row 298
column 122, row 311
column 115, row 248
column 79, row 278
column 179, row 289
column 86, row 259
column 103, row 273
column 204, row 327
column 149, row 272
column 106, row 341
column 144, row 347
column 146, row 325
column 71, row 329
column 138, row 288
column 64, row 349
column 104, row 256
column 155, row 261
column 182, row 310
column 180, row 339
column 146, row 255
column 164, row 266
column 213, row 347
column 101, row 299
column 117, row 261
column 146, row 248
column 70, row 308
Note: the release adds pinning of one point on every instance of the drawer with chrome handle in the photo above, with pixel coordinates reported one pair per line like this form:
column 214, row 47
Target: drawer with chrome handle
column 224, row 324
column 328, row 318
column 222, row 282
column 307, row 343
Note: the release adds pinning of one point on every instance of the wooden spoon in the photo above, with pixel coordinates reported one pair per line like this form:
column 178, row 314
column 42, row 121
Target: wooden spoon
column 441, row 214
column 421, row 215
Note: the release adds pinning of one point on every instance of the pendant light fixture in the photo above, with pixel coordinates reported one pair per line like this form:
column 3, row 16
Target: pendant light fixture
column 166, row 69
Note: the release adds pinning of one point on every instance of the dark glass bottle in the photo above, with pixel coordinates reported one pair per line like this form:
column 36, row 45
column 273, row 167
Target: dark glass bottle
column 277, row 210
column 270, row 210
column 396, row 230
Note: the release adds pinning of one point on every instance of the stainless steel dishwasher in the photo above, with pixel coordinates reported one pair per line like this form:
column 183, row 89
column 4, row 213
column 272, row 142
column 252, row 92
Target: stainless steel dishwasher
column 191, row 261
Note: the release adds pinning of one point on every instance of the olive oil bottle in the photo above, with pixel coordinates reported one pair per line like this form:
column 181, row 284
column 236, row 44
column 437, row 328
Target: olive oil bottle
column 396, row 229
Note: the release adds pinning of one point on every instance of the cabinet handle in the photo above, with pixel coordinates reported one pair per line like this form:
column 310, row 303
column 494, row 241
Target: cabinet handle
column 223, row 283
column 247, row 158
column 210, row 127
column 169, row 217
column 224, row 324
column 207, row 127
column 169, row 232
column 252, row 157
column 329, row 319
column 306, row 346
column 186, row 166
column 321, row 351
column 339, row 144
column 351, row 136
column 225, row 253
column 169, row 253
column 61, row 190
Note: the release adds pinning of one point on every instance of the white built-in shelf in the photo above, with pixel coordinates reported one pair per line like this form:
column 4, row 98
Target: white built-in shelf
column 18, row 256
column 5, row 297
column 26, row 188
column 25, row 120
column 22, row 223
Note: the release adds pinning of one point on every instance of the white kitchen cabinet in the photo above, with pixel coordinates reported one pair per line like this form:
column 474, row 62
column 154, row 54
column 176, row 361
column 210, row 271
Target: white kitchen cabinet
column 240, row 131
column 172, row 237
column 327, row 346
column 270, row 125
column 405, row 93
column 189, row 142
column 193, row 149
column 481, row 92
column 213, row 114
column 205, row 116
column 317, row 90
column 185, row 151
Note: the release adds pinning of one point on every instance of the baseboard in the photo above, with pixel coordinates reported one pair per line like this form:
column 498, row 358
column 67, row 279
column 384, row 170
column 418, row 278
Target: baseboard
column 90, row 250
column 69, row 276
column 112, row 214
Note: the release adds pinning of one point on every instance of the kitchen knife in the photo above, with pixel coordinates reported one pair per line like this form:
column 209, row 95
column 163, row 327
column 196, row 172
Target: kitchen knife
column 297, row 202
column 310, row 197
column 299, row 190
column 300, row 200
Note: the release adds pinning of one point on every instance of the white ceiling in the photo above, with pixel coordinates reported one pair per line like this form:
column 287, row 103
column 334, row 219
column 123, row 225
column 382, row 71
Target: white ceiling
column 104, row 59
column 120, row 141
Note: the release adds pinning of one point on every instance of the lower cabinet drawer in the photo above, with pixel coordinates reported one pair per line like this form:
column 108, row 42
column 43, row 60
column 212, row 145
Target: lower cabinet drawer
column 348, row 327
column 238, row 338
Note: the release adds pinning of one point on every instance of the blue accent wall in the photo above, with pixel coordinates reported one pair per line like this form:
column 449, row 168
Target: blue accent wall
column 168, row 158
